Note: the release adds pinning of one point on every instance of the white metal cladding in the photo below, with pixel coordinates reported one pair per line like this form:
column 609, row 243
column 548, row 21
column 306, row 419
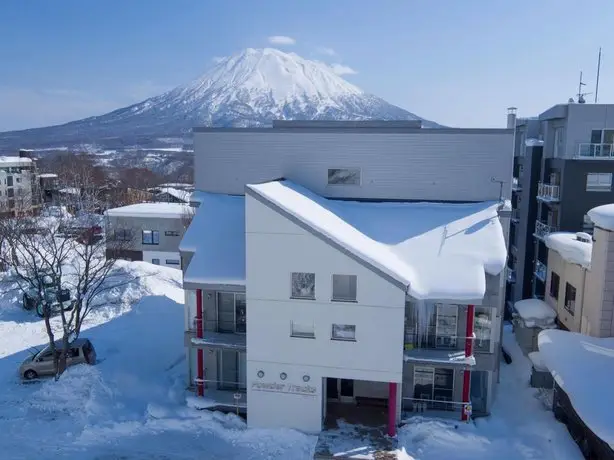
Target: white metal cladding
column 439, row 165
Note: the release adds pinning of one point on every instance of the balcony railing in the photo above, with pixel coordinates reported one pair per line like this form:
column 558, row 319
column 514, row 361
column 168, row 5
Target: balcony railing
column 540, row 271
column 417, row 406
column 516, row 187
column 548, row 192
column 596, row 151
column 543, row 230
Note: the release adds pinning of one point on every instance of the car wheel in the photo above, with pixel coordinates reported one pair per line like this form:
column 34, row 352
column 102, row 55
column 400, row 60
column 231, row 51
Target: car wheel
column 30, row 374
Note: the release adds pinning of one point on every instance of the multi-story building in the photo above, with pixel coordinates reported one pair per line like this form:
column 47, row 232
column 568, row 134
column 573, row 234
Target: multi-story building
column 563, row 166
column 148, row 231
column 315, row 278
column 18, row 191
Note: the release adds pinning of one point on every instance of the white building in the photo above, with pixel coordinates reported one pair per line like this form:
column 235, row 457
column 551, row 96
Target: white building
column 16, row 185
column 298, row 302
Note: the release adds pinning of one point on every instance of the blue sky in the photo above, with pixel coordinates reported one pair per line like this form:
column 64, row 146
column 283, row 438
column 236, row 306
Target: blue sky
column 460, row 63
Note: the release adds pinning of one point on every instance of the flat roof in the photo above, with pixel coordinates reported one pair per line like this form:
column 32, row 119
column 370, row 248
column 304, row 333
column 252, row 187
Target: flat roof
column 14, row 161
column 434, row 251
column 160, row 210
column 353, row 130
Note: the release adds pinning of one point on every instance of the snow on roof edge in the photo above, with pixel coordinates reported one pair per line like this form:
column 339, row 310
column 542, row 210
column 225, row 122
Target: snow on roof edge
column 153, row 210
column 570, row 248
column 603, row 216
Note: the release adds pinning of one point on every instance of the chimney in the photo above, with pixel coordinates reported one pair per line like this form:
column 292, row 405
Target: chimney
column 511, row 117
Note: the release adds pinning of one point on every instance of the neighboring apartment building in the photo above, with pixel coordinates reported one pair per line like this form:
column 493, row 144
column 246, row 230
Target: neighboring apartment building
column 314, row 278
column 148, row 231
column 18, row 191
column 580, row 276
column 563, row 166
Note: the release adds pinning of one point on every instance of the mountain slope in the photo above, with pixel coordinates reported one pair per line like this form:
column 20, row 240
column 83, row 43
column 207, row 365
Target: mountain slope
column 248, row 89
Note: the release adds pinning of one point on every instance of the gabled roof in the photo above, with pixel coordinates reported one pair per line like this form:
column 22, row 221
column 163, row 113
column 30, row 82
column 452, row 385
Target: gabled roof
column 435, row 251
column 182, row 195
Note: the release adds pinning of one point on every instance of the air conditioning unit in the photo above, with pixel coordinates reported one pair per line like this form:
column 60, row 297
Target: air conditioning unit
column 584, row 237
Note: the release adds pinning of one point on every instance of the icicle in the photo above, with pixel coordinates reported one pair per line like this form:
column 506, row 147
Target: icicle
column 422, row 319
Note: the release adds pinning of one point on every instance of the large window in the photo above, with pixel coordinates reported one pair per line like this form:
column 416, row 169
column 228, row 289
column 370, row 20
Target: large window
column 441, row 330
column 344, row 176
column 305, row 330
column 599, row 182
column 231, row 312
column 151, row 237
column 555, row 282
column 570, row 298
column 303, row 285
column 344, row 288
column 446, row 325
column 434, row 384
column 482, row 327
column 344, row 332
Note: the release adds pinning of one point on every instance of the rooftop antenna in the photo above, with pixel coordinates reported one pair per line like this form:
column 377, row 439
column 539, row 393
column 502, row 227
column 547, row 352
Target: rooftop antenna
column 580, row 94
column 500, row 182
column 598, row 69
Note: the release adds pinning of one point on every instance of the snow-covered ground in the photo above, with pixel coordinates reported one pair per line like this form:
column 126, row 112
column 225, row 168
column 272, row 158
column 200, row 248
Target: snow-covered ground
column 132, row 404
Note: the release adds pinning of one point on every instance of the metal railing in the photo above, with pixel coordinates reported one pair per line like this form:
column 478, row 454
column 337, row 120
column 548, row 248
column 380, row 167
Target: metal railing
column 540, row 270
column 600, row 151
column 222, row 385
column 419, row 405
column 543, row 230
column 548, row 192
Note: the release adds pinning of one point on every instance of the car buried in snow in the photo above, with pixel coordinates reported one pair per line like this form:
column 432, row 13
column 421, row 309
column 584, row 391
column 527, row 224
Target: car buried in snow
column 48, row 299
column 41, row 362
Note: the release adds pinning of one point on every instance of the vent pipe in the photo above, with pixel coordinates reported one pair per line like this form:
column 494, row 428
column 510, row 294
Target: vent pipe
column 511, row 117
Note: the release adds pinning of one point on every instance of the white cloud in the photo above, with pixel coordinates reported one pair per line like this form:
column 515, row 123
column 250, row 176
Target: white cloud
column 218, row 59
column 341, row 69
column 281, row 40
column 326, row 51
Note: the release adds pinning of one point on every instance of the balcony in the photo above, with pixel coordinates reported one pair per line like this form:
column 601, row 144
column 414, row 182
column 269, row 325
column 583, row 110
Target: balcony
column 442, row 407
column 516, row 187
column 540, row 271
column 595, row 151
column 212, row 339
column 515, row 215
column 548, row 193
column 543, row 230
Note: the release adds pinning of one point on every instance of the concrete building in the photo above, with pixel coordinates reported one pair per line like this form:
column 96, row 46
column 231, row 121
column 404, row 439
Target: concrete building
column 563, row 167
column 148, row 231
column 297, row 302
column 18, row 191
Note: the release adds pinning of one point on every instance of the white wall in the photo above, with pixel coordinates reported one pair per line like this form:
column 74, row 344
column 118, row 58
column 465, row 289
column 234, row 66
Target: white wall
column 276, row 247
column 148, row 256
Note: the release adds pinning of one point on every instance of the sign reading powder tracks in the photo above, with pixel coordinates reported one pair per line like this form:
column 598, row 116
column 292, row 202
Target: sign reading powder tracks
column 290, row 388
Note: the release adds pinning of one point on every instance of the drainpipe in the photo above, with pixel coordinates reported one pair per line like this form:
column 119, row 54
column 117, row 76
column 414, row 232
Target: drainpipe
column 392, row 409
column 468, row 353
column 200, row 362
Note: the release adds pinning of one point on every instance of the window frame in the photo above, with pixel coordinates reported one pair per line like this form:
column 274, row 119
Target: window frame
column 153, row 239
column 173, row 262
column 302, row 335
column 171, row 233
column 295, row 296
column 599, row 187
column 334, row 298
column 558, row 285
column 354, row 169
column 568, row 290
column 336, row 337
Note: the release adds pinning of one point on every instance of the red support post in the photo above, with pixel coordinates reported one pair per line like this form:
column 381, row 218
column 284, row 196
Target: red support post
column 200, row 361
column 468, row 353
column 392, row 409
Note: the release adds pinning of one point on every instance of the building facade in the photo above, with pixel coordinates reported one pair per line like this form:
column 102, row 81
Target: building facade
column 18, row 191
column 285, row 318
column 563, row 167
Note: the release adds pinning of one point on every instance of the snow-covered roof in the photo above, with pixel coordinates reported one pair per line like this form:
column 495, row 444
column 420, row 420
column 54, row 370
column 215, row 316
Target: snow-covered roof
column 162, row 210
column 535, row 312
column 70, row 191
column 437, row 251
column 47, row 175
column 216, row 235
column 571, row 248
column 583, row 367
column 14, row 161
column 179, row 194
column 603, row 216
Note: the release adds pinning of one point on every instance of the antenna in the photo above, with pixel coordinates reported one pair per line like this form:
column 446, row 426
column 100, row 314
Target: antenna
column 580, row 94
column 598, row 69
column 500, row 182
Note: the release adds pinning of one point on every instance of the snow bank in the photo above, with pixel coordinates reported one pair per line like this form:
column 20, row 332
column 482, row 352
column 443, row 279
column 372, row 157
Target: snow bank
column 571, row 248
column 583, row 367
column 216, row 235
column 603, row 216
column 162, row 210
column 537, row 362
column 535, row 313
column 439, row 251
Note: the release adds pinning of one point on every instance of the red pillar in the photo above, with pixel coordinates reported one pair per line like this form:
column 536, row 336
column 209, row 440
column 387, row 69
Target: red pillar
column 200, row 361
column 468, row 353
column 392, row 409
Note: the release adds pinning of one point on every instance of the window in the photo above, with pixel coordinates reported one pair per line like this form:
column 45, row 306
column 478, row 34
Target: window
column 123, row 234
column 151, row 237
column 587, row 225
column 240, row 313
column 9, row 181
column 570, row 298
column 172, row 262
column 555, row 281
column 599, row 182
column 344, row 332
column 155, row 261
column 344, row 288
column 171, row 233
column 302, row 330
column 344, row 176
column 10, row 193
column 303, row 285
column 231, row 312
column 446, row 325
column 482, row 327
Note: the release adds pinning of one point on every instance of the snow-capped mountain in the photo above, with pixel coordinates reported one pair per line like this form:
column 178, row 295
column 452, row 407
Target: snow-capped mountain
column 248, row 89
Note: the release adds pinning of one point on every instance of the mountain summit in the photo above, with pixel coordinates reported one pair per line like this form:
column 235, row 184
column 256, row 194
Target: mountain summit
column 251, row 88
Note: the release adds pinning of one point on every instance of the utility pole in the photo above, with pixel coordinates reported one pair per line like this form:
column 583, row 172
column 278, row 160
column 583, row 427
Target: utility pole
column 598, row 69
